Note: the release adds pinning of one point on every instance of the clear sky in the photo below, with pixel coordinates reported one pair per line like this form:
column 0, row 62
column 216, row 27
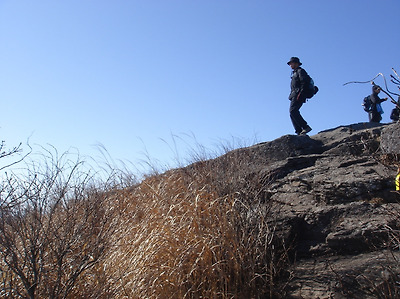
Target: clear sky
column 131, row 74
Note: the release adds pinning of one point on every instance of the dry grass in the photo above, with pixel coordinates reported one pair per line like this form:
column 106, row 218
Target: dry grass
column 204, row 231
column 199, row 232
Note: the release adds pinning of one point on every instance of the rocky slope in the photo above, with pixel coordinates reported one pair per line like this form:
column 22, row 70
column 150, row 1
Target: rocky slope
column 334, row 204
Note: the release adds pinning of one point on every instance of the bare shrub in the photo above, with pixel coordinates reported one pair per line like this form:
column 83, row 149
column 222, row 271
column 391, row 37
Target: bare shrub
column 55, row 225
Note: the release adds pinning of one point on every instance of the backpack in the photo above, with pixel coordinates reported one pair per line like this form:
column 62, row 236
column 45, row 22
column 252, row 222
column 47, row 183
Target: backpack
column 367, row 104
column 311, row 89
column 395, row 115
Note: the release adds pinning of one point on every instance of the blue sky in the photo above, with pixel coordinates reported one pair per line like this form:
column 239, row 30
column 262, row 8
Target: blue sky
column 131, row 74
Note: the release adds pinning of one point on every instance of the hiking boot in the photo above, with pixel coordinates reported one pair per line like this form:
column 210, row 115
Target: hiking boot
column 305, row 130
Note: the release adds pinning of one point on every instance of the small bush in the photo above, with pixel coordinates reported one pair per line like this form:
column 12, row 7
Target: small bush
column 55, row 225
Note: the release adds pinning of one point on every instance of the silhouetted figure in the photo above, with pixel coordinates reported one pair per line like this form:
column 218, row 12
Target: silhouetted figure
column 395, row 115
column 297, row 96
column 375, row 111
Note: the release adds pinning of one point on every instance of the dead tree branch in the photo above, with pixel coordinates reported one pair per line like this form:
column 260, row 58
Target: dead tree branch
column 386, row 92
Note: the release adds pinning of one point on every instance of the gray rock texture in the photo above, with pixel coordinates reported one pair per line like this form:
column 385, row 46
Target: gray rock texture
column 390, row 142
column 333, row 200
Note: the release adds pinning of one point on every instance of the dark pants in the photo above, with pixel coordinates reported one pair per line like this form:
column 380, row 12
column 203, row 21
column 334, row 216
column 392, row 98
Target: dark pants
column 297, row 120
column 374, row 116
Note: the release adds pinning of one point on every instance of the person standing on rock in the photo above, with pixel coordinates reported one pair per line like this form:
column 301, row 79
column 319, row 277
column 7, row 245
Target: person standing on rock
column 395, row 115
column 297, row 96
column 398, row 179
column 376, row 109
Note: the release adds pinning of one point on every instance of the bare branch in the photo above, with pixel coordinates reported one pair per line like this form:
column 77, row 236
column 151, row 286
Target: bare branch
column 363, row 82
column 387, row 91
column 394, row 71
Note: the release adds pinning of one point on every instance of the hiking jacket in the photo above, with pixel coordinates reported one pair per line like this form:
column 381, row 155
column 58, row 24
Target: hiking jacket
column 374, row 115
column 298, row 84
column 375, row 99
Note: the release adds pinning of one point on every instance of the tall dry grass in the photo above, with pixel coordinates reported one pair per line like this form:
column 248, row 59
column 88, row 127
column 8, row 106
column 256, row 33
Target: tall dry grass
column 205, row 231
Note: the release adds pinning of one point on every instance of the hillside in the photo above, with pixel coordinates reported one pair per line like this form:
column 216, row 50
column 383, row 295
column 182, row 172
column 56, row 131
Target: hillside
column 333, row 204
column 297, row 217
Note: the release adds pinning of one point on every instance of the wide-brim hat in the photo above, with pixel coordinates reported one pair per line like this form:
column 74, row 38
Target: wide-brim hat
column 294, row 59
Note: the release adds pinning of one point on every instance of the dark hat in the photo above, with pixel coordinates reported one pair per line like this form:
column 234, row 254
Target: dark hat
column 376, row 87
column 294, row 59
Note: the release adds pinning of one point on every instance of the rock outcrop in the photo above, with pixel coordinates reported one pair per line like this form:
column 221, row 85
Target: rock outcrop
column 334, row 203
column 390, row 143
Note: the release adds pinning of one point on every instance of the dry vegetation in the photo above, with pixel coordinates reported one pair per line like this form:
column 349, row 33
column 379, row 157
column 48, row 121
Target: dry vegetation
column 186, row 240
column 55, row 225
column 195, row 232
column 203, row 231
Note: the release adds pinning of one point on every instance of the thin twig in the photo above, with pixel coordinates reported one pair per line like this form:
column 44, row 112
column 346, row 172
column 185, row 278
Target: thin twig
column 394, row 71
column 15, row 150
column 395, row 80
column 362, row 82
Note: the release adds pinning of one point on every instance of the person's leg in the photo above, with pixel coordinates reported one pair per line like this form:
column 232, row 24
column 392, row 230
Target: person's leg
column 370, row 116
column 297, row 120
column 375, row 117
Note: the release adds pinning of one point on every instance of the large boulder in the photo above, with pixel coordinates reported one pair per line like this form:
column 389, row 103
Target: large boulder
column 390, row 140
column 332, row 200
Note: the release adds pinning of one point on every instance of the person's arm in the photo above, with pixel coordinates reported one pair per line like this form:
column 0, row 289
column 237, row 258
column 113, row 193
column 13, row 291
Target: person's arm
column 375, row 99
column 382, row 100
